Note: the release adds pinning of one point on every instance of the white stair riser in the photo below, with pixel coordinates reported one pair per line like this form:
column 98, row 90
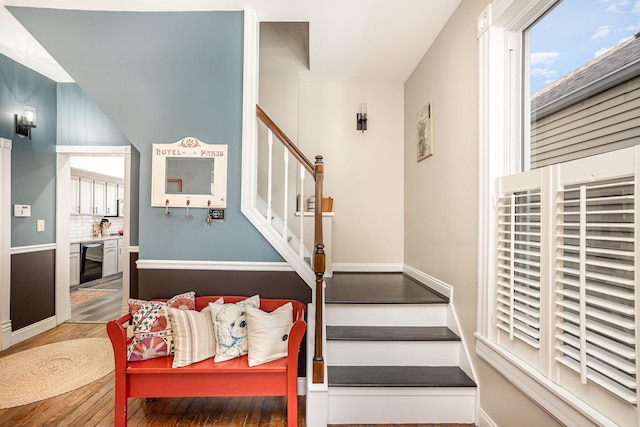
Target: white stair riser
column 393, row 353
column 401, row 406
column 386, row 314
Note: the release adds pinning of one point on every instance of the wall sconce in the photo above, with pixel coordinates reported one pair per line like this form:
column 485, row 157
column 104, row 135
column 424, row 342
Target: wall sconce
column 361, row 118
column 25, row 122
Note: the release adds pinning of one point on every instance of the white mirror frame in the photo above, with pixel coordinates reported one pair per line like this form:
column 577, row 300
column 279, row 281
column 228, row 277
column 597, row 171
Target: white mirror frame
column 184, row 149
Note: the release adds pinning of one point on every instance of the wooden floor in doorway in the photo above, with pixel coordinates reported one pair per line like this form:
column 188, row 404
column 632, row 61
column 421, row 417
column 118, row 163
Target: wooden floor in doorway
column 100, row 310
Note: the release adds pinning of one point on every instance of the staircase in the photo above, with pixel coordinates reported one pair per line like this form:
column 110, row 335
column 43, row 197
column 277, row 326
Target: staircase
column 391, row 357
column 389, row 342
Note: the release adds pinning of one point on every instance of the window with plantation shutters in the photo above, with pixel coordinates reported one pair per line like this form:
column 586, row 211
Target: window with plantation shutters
column 559, row 168
column 565, row 284
column 595, row 301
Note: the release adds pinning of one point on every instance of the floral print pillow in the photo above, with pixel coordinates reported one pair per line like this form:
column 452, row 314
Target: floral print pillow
column 152, row 330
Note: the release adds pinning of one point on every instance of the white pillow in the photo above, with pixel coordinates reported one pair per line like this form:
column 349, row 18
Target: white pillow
column 268, row 333
column 193, row 335
column 230, row 324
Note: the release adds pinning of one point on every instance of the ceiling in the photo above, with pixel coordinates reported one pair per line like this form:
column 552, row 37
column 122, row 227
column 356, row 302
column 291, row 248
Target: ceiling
column 362, row 41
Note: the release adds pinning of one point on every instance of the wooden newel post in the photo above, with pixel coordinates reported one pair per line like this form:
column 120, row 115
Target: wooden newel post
column 319, row 269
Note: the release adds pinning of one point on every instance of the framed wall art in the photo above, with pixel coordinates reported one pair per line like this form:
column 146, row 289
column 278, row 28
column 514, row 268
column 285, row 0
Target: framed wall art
column 424, row 128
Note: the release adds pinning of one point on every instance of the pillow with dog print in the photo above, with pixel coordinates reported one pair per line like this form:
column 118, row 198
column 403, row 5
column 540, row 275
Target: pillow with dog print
column 230, row 325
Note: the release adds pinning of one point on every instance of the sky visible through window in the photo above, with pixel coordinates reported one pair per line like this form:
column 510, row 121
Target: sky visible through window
column 577, row 31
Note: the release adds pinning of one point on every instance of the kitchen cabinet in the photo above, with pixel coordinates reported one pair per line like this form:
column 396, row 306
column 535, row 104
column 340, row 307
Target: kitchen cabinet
column 74, row 265
column 110, row 258
column 99, row 197
column 94, row 194
column 120, row 255
column 111, row 199
column 74, row 195
column 86, row 195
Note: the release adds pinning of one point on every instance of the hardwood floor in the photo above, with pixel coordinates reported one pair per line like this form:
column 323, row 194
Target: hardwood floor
column 92, row 405
column 101, row 309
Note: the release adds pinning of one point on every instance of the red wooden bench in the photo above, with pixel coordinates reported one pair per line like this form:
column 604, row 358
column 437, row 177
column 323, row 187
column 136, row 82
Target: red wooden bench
column 155, row 377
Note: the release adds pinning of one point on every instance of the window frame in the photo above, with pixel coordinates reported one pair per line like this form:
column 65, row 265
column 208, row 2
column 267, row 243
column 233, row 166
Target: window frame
column 502, row 136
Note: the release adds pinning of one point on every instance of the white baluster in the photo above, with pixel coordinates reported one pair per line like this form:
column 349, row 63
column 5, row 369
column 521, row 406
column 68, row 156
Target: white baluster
column 285, row 226
column 301, row 207
column 269, row 175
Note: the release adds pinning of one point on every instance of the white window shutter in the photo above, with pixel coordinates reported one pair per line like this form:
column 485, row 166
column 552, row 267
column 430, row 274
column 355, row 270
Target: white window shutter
column 595, row 283
column 565, row 290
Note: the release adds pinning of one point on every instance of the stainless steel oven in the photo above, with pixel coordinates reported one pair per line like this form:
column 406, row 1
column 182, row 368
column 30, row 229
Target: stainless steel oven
column 91, row 256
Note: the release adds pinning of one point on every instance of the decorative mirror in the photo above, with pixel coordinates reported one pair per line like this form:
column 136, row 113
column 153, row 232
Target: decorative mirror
column 189, row 172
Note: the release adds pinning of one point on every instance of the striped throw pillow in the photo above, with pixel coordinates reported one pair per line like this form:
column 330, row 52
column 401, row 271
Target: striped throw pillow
column 193, row 335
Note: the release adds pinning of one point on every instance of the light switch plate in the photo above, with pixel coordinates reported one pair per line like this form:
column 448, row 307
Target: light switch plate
column 21, row 210
column 40, row 225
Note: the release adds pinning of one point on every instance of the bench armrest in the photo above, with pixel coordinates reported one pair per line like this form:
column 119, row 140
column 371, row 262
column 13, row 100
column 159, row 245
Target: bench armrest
column 118, row 336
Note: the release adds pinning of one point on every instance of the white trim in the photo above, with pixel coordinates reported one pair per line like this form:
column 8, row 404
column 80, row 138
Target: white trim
column 556, row 400
column 150, row 264
column 250, row 152
column 430, row 281
column 453, row 322
column 89, row 150
column 484, row 420
column 63, row 233
column 367, row 267
column 33, row 248
column 249, row 101
column 134, row 249
column 5, row 243
column 33, row 330
column 302, row 386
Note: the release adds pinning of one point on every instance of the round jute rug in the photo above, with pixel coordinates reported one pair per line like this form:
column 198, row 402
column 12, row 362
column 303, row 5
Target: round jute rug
column 53, row 369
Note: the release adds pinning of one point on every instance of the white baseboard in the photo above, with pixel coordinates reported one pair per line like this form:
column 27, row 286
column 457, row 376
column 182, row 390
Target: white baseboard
column 302, row 386
column 485, row 420
column 33, row 330
column 367, row 267
column 430, row 281
column 5, row 331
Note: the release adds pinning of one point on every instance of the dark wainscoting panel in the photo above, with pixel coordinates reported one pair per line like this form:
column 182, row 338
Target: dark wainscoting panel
column 268, row 284
column 32, row 288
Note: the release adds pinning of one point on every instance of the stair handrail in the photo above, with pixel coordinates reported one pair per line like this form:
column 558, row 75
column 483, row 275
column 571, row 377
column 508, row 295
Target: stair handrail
column 319, row 257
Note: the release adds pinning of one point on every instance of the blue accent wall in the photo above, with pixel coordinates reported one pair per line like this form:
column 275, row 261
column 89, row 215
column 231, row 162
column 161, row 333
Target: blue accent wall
column 33, row 162
column 160, row 77
column 82, row 122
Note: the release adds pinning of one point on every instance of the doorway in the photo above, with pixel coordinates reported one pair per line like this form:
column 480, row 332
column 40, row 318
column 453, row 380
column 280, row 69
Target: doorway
column 96, row 236
column 66, row 235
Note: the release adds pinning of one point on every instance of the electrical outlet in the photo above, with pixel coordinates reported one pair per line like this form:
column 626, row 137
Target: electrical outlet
column 40, row 225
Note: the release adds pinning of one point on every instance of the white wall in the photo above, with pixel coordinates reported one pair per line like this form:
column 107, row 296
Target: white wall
column 441, row 211
column 363, row 171
column 105, row 165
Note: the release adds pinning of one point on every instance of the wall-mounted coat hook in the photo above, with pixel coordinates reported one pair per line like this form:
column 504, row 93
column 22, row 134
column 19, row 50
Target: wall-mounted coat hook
column 207, row 217
column 187, row 215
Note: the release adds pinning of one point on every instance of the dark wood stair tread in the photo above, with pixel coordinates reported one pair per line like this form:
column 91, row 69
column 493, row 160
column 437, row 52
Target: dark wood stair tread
column 379, row 288
column 391, row 333
column 398, row 376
